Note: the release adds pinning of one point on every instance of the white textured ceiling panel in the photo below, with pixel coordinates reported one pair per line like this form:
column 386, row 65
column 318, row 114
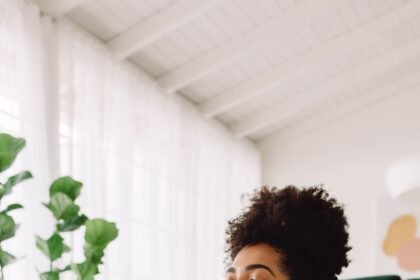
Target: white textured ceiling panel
column 108, row 18
column 241, row 61
column 399, row 79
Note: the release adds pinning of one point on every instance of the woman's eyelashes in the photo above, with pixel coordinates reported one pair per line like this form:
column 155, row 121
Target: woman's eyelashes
column 257, row 276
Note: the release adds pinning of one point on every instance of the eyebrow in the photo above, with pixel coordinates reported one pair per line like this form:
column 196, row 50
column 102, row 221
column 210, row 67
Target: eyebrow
column 252, row 267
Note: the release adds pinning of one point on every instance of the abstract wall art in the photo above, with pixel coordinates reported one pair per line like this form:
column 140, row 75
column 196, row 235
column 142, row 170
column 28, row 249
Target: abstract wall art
column 397, row 247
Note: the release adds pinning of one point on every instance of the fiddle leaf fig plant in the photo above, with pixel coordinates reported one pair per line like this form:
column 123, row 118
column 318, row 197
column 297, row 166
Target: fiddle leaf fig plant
column 98, row 232
column 63, row 194
column 10, row 147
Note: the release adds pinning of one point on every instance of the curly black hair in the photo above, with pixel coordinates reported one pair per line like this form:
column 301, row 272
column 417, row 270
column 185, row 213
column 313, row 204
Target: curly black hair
column 306, row 226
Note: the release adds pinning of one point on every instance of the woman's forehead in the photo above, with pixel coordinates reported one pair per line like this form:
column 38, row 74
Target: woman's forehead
column 260, row 257
column 260, row 253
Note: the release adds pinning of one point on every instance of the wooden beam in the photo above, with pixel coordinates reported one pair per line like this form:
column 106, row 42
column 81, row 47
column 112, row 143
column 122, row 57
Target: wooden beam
column 273, row 78
column 298, row 103
column 57, row 8
column 217, row 58
column 146, row 32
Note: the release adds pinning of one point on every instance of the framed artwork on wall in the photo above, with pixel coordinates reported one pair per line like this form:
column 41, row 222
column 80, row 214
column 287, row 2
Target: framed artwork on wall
column 397, row 238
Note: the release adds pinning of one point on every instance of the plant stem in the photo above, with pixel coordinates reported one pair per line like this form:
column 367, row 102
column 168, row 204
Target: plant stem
column 1, row 268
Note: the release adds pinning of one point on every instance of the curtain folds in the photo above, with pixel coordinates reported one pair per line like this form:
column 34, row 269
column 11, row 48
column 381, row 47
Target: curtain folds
column 25, row 103
column 169, row 178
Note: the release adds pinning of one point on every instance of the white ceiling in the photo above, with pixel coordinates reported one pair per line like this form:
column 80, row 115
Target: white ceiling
column 263, row 67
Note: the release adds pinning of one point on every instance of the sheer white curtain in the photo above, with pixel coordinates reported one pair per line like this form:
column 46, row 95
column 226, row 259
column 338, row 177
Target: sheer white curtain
column 25, row 102
column 149, row 162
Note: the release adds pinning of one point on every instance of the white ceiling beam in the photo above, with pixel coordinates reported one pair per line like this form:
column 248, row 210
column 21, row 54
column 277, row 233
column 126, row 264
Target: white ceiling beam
column 57, row 8
column 273, row 78
column 300, row 102
column 220, row 56
column 150, row 30
column 409, row 84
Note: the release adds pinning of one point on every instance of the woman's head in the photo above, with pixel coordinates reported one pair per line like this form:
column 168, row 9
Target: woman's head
column 288, row 234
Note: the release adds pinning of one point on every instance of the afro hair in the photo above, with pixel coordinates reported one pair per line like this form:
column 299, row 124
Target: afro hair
column 306, row 226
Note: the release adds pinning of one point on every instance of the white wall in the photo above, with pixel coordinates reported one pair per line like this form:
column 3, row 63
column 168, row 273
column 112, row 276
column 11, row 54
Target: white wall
column 351, row 157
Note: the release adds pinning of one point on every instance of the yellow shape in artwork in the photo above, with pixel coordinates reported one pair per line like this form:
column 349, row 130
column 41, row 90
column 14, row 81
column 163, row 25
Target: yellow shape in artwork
column 400, row 231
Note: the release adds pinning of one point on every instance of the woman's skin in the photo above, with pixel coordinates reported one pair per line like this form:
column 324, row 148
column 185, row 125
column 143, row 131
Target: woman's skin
column 257, row 262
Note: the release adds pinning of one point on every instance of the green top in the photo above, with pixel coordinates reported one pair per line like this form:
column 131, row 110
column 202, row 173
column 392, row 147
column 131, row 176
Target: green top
column 384, row 277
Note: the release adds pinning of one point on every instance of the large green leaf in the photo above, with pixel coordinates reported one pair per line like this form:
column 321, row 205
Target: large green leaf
column 100, row 232
column 13, row 181
column 72, row 223
column 51, row 275
column 6, row 258
column 62, row 206
column 12, row 207
column 9, row 149
column 8, row 227
column 53, row 248
column 85, row 270
column 66, row 185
